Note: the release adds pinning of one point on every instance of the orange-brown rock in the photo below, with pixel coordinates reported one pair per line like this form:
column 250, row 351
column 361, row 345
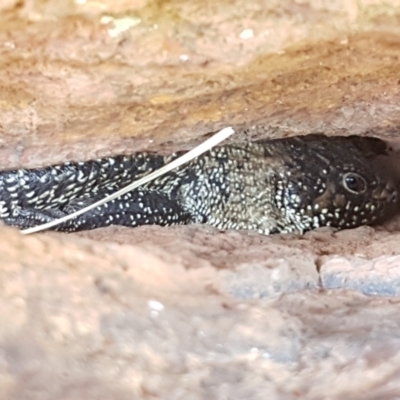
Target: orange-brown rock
column 190, row 312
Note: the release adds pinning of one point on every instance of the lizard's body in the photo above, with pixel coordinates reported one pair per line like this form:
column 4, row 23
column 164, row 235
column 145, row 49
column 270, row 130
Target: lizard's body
column 284, row 185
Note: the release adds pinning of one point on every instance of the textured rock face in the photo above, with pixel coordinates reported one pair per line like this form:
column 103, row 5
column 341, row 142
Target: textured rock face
column 104, row 77
column 190, row 312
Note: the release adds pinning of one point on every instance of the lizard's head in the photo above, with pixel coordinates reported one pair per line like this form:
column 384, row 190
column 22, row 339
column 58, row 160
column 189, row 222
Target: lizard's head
column 337, row 182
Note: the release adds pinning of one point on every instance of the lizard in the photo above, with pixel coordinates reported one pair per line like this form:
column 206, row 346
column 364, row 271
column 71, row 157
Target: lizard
column 284, row 185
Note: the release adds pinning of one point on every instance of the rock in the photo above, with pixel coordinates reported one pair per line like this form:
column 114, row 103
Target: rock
column 191, row 312
column 107, row 320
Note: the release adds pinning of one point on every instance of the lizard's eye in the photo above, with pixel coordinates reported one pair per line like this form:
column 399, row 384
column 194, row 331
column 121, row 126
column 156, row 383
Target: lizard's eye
column 354, row 183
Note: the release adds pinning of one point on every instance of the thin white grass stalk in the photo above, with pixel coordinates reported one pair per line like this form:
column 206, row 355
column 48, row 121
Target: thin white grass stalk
column 197, row 151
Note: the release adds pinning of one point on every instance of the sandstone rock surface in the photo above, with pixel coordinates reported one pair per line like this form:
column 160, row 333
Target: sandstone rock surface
column 191, row 312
